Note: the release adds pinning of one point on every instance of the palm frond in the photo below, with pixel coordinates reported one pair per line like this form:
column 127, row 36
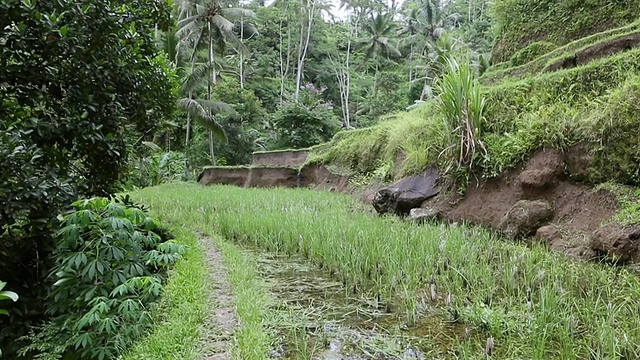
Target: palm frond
column 187, row 25
column 221, row 23
column 196, row 78
column 237, row 13
column 193, row 108
column 215, row 127
column 217, row 107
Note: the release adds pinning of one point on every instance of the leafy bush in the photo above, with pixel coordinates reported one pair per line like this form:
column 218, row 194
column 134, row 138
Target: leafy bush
column 157, row 168
column 6, row 295
column 307, row 122
column 531, row 52
column 80, row 82
column 109, row 264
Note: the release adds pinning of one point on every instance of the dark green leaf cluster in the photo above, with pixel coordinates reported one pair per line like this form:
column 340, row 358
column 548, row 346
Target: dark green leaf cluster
column 108, row 269
column 80, row 84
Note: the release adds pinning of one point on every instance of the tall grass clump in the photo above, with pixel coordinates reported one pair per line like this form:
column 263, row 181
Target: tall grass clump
column 461, row 284
column 461, row 105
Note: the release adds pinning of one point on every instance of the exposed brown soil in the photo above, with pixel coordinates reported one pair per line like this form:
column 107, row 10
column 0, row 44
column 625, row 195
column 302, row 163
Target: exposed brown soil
column 263, row 176
column 318, row 177
column 222, row 321
column 578, row 209
column 272, row 177
column 222, row 175
column 291, row 158
column 597, row 51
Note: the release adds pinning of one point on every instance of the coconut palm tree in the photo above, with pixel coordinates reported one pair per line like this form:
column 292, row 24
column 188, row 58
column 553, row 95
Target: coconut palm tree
column 380, row 31
column 410, row 29
column 206, row 24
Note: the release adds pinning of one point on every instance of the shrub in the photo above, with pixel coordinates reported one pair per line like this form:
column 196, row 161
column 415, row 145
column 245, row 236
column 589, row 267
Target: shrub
column 306, row 122
column 155, row 169
column 80, row 83
column 6, row 295
column 109, row 263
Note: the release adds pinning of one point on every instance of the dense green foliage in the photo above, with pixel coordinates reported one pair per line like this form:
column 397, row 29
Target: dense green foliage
column 109, row 261
column 306, row 122
column 519, row 23
column 536, row 304
column 80, row 85
column 503, row 72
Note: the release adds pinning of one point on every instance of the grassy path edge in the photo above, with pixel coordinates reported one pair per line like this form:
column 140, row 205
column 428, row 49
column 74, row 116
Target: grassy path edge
column 181, row 320
column 252, row 339
column 182, row 310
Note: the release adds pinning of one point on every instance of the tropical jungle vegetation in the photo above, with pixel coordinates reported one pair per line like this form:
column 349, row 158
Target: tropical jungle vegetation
column 102, row 97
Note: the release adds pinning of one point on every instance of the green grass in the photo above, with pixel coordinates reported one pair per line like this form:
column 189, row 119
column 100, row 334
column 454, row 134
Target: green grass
column 183, row 307
column 536, row 304
column 503, row 71
column 280, row 151
column 517, row 23
column 252, row 339
column 628, row 201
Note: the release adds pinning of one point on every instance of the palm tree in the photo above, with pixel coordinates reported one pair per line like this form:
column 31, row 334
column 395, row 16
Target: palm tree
column 411, row 29
column 379, row 28
column 205, row 23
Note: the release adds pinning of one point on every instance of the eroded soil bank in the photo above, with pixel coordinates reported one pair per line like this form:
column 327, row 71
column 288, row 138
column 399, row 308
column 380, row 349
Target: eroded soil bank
column 573, row 224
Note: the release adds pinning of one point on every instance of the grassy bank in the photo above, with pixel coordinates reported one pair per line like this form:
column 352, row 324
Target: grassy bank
column 534, row 303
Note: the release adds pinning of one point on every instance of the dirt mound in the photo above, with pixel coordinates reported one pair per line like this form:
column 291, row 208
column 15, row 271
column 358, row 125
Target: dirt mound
column 595, row 52
column 318, row 177
column 578, row 209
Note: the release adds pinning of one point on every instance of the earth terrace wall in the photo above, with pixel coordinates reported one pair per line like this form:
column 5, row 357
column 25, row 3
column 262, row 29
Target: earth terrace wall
column 288, row 158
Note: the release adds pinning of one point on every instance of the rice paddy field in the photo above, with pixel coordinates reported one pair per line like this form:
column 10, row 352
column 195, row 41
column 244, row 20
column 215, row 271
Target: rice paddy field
column 317, row 275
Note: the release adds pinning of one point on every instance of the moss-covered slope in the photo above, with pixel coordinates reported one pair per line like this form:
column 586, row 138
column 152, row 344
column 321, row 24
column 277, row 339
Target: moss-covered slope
column 519, row 23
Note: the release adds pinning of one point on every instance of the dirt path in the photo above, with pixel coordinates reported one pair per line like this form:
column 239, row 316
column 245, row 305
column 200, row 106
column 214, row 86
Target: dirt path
column 221, row 322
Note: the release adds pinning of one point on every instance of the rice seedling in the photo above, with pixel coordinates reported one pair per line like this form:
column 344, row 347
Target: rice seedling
column 531, row 302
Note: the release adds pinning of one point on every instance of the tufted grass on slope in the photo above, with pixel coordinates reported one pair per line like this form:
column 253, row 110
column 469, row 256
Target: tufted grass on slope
column 534, row 303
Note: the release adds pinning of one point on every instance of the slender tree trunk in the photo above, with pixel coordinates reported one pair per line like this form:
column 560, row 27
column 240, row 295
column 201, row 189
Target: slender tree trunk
column 241, row 52
column 375, row 78
column 348, row 83
column 284, row 65
column 304, row 45
column 281, row 64
column 210, row 83
column 410, row 64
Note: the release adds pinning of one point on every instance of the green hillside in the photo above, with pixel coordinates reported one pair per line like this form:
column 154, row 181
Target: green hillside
column 519, row 23
column 595, row 105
